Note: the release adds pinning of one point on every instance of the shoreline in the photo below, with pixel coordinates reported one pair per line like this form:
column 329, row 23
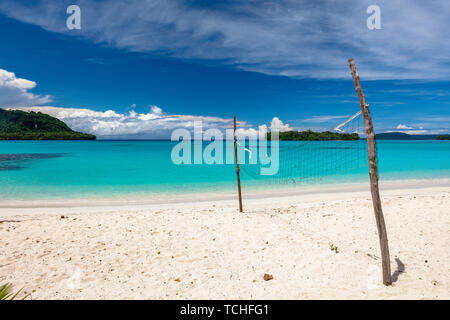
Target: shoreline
column 341, row 189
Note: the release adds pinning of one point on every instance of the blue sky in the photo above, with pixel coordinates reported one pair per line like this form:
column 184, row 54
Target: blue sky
column 142, row 68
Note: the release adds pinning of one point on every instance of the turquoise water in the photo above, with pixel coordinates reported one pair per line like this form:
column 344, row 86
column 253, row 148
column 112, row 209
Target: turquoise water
column 57, row 169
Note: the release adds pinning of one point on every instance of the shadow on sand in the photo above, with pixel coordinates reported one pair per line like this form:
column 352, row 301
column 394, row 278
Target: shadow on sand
column 400, row 269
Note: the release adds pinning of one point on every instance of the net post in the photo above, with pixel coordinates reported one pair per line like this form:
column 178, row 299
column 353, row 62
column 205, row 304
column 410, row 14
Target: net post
column 237, row 166
column 373, row 172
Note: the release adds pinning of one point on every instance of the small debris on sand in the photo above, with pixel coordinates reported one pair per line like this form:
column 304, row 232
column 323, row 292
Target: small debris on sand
column 268, row 277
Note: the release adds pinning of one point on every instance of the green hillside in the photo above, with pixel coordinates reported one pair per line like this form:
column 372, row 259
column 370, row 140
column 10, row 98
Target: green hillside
column 20, row 125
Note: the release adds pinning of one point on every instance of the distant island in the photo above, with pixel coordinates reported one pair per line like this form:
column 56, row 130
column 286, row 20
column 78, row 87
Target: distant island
column 20, row 125
column 309, row 135
column 405, row 136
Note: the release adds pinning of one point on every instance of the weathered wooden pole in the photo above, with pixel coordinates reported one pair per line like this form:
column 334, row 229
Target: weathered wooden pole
column 373, row 172
column 237, row 167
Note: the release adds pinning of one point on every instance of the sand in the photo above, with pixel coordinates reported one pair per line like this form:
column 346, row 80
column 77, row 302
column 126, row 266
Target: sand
column 316, row 245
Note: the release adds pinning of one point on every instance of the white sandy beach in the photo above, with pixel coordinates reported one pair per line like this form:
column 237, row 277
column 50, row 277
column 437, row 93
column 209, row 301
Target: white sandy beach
column 192, row 248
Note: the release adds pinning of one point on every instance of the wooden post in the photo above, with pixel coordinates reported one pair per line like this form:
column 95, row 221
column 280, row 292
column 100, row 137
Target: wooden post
column 373, row 172
column 237, row 167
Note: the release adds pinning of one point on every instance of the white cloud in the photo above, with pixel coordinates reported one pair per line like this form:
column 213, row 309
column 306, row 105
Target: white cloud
column 277, row 124
column 417, row 132
column 295, row 38
column 430, row 128
column 152, row 125
column 246, row 133
column 9, row 79
column 427, row 131
column 14, row 91
column 404, row 127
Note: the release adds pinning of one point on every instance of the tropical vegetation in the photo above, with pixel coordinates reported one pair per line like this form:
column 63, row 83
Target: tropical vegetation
column 6, row 294
column 20, row 125
column 309, row 135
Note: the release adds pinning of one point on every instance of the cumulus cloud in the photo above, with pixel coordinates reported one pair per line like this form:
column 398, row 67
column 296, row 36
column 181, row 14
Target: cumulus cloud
column 295, row 38
column 14, row 91
column 252, row 133
column 429, row 128
column 152, row 125
column 9, row 79
column 156, row 110
column 403, row 127
column 277, row 124
column 155, row 124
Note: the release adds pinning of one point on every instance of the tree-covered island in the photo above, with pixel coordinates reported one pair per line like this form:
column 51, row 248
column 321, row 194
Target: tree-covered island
column 309, row 135
column 20, row 125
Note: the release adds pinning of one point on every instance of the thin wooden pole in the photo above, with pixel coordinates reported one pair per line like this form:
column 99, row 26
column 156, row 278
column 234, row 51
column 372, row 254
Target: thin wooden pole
column 373, row 172
column 237, row 167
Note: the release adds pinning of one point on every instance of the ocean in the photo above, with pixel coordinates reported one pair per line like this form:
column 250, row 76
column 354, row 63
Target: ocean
column 87, row 169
